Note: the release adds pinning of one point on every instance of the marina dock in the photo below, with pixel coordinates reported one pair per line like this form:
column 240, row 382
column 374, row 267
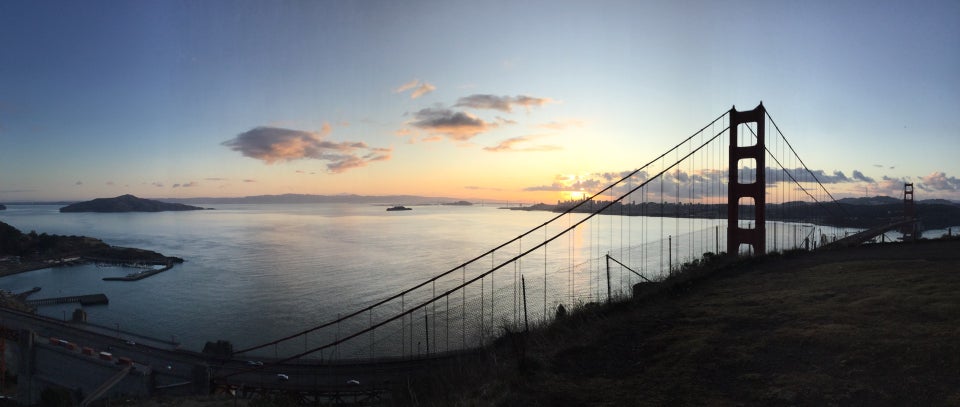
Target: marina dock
column 141, row 275
column 90, row 299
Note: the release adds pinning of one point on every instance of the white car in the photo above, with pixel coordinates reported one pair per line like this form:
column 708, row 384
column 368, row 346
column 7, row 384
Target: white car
column 282, row 377
column 254, row 363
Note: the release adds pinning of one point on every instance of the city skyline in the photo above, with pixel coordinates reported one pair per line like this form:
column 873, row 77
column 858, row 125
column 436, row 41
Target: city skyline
column 522, row 102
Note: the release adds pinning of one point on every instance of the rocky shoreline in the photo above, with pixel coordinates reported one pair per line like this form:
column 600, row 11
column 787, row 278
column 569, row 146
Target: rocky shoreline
column 21, row 252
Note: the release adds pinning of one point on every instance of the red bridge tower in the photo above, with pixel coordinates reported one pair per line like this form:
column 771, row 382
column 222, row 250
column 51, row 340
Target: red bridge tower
column 756, row 237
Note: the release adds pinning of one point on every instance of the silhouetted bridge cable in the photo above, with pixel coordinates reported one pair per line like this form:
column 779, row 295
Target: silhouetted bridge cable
column 807, row 169
column 683, row 197
column 480, row 277
column 477, row 258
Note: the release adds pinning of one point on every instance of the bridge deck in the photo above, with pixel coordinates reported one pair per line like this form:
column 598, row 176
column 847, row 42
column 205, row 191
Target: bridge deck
column 860, row 238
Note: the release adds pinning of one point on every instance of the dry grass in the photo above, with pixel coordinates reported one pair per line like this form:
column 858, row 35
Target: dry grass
column 864, row 326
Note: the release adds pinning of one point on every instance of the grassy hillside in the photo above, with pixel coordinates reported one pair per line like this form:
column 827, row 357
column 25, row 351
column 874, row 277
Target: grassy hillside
column 877, row 325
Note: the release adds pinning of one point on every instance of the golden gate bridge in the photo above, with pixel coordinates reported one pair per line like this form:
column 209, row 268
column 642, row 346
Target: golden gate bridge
column 735, row 187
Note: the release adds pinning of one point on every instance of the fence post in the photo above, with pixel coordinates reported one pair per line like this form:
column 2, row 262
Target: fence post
column 426, row 329
column 608, row 278
column 526, row 321
column 669, row 253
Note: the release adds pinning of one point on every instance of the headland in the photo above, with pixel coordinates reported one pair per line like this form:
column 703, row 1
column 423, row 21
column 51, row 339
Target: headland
column 20, row 252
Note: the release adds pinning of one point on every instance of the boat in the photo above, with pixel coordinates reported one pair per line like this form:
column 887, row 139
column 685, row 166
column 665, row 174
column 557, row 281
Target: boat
column 399, row 208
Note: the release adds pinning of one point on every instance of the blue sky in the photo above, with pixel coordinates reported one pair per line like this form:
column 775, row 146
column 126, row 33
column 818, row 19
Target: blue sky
column 461, row 99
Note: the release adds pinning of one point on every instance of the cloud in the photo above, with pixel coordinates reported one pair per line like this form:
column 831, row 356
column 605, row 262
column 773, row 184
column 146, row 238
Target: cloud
column 157, row 184
column 190, row 184
column 501, row 103
column 698, row 182
column 419, row 87
column 569, row 183
column 857, row 175
column 110, row 183
column 479, row 188
column 890, row 186
column 939, row 181
column 802, row 175
column 273, row 144
column 215, row 179
column 459, row 126
column 78, row 183
column 176, row 186
column 560, row 125
column 510, row 145
column 249, row 180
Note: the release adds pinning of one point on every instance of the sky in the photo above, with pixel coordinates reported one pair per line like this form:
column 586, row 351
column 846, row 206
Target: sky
column 475, row 100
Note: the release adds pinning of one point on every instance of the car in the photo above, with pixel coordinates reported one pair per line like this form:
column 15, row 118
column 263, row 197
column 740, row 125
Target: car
column 254, row 363
column 282, row 377
column 353, row 382
column 131, row 343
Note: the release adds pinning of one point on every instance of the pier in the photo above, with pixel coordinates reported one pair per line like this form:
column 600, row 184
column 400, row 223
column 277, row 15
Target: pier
column 141, row 275
column 90, row 299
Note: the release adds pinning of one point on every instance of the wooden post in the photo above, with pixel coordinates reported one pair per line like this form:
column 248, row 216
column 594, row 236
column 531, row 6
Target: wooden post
column 526, row 321
column 608, row 278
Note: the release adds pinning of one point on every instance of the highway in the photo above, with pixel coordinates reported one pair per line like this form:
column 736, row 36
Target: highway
column 174, row 366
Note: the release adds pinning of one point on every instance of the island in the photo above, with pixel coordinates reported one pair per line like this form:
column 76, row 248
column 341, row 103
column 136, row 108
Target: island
column 127, row 203
column 20, row 252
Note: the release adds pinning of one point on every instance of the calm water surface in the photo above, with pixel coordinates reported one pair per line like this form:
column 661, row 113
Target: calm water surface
column 254, row 272
column 257, row 272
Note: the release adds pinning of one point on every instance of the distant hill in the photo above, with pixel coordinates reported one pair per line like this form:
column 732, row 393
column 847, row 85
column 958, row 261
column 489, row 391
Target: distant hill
column 2, row 207
column 875, row 200
column 126, row 203
column 307, row 199
column 886, row 200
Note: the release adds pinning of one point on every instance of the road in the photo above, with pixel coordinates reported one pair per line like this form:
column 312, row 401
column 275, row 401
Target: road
column 173, row 366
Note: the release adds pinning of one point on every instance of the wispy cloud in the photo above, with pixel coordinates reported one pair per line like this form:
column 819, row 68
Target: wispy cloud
column 249, row 180
column 563, row 124
column 215, row 179
column 273, row 144
column 501, row 103
column 521, row 144
column 457, row 125
column 479, row 188
column 419, row 88
column 939, row 181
